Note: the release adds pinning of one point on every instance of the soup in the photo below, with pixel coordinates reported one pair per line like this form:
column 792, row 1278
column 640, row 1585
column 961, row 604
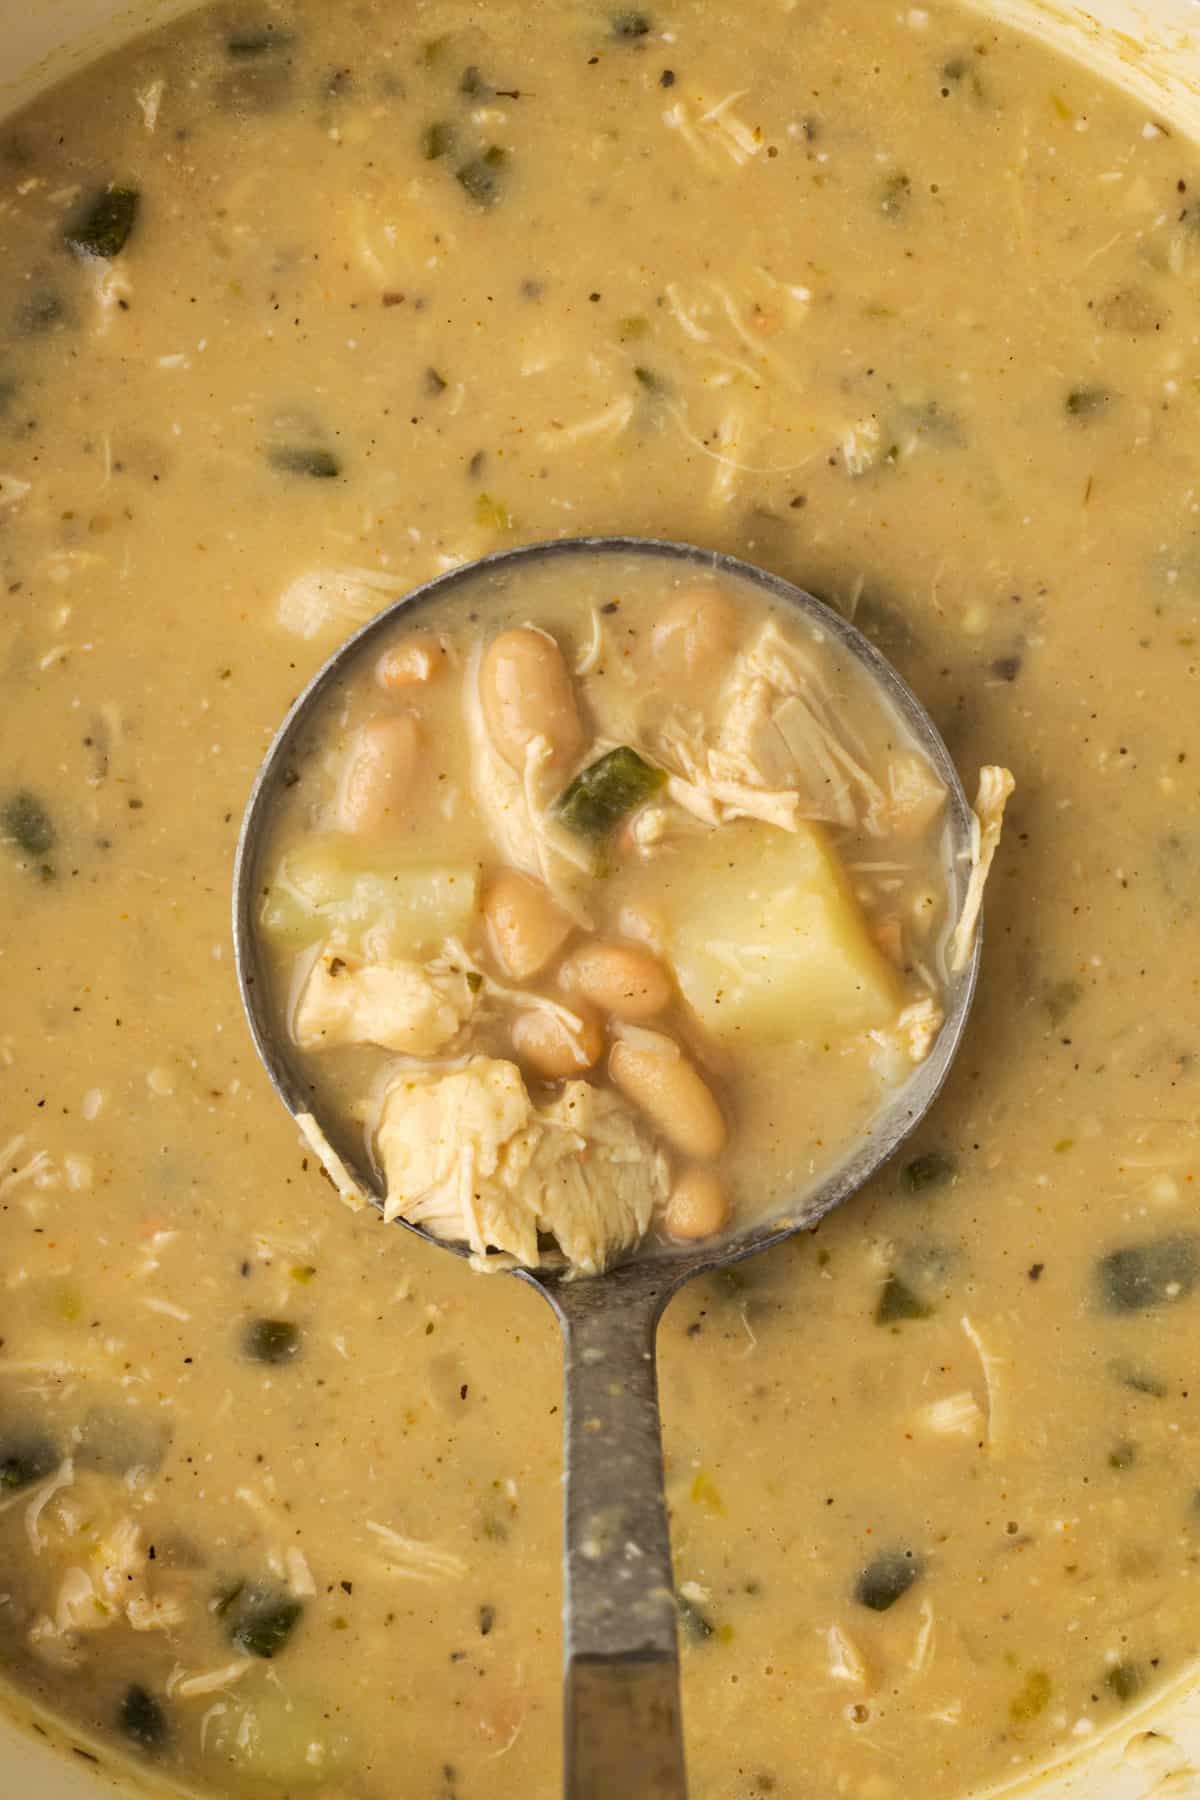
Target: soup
column 301, row 306
column 563, row 910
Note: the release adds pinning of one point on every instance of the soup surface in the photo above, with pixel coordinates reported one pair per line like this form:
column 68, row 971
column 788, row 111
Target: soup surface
column 300, row 305
column 576, row 879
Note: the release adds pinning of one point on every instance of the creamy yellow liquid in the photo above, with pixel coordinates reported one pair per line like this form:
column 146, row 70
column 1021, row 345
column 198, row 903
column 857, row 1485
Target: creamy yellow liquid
column 921, row 342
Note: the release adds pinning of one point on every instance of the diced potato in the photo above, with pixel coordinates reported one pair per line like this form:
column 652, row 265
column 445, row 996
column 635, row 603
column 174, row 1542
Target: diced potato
column 769, row 942
column 328, row 884
column 275, row 1737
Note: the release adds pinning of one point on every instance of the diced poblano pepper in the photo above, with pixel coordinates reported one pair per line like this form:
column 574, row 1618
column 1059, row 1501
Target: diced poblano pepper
column 327, row 883
column 607, row 791
column 104, row 226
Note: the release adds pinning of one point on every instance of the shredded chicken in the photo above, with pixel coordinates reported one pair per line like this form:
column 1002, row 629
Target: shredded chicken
column 925, row 1642
column 348, row 1189
column 411, row 1560
column 918, row 1025
column 719, row 126
column 468, row 1155
column 846, row 1662
column 183, row 1686
column 957, row 1415
column 995, row 787
column 110, row 1585
column 993, row 1376
column 782, row 749
column 409, row 1007
column 327, row 599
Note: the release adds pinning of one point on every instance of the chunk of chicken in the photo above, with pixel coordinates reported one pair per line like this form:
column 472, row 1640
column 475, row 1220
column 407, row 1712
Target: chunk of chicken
column 782, row 750
column 468, row 1155
column 415, row 1008
column 995, row 790
column 108, row 1585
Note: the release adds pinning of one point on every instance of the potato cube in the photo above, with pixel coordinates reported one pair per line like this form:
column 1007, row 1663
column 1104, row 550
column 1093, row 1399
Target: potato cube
column 330, row 885
column 770, row 944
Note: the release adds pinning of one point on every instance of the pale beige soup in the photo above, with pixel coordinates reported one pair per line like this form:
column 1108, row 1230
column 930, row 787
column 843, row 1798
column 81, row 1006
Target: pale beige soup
column 918, row 308
column 612, row 820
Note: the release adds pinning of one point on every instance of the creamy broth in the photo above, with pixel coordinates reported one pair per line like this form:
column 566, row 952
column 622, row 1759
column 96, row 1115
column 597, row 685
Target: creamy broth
column 888, row 300
column 605, row 820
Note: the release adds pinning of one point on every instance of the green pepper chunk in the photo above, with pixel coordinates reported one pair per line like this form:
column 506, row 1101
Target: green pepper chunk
column 257, row 40
column 297, row 459
column 931, row 1169
column 265, row 1623
column 887, row 1579
column 25, row 1460
column 104, row 227
column 1124, row 1681
column 482, row 179
column 897, row 1301
column 1087, row 402
column 1142, row 1276
column 437, row 140
column 602, row 794
column 26, row 821
column 141, row 1718
column 271, row 1340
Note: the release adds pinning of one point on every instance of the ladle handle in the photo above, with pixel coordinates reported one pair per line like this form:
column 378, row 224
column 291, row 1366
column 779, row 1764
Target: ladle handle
column 623, row 1730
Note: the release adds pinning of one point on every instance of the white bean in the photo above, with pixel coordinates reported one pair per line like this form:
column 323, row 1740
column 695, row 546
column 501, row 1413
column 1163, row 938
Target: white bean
column 621, row 979
column 699, row 1205
column 660, row 1080
column 526, row 928
column 525, row 690
column 417, row 659
column 378, row 773
column 543, row 1040
column 696, row 632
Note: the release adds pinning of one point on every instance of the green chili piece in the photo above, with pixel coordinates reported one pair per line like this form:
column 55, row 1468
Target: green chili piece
column 141, row 1718
column 602, row 794
column 897, row 1302
column 104, row 226
column 255, row 41
column 1141, row 1276
column 24, row 1460
column 1087, row 402
column 271, row 1340
column 1124, row 1680
column 296, row 459
column 933, row 1168
column 887, row 1578
column 482, row 178
column 437, row 140
column 25, row 820
column 265, row 1622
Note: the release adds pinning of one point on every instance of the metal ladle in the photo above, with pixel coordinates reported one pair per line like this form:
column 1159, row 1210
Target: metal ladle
column 623, row 1728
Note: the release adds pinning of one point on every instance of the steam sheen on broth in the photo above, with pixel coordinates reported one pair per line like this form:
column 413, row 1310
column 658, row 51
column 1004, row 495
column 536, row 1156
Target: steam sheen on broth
column 301, row 305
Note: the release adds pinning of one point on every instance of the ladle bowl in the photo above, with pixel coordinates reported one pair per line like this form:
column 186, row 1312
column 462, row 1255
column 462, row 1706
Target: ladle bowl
column 623, row 1735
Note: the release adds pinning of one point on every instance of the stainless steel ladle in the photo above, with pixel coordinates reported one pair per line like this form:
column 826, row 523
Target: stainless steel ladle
column 623, row 1729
